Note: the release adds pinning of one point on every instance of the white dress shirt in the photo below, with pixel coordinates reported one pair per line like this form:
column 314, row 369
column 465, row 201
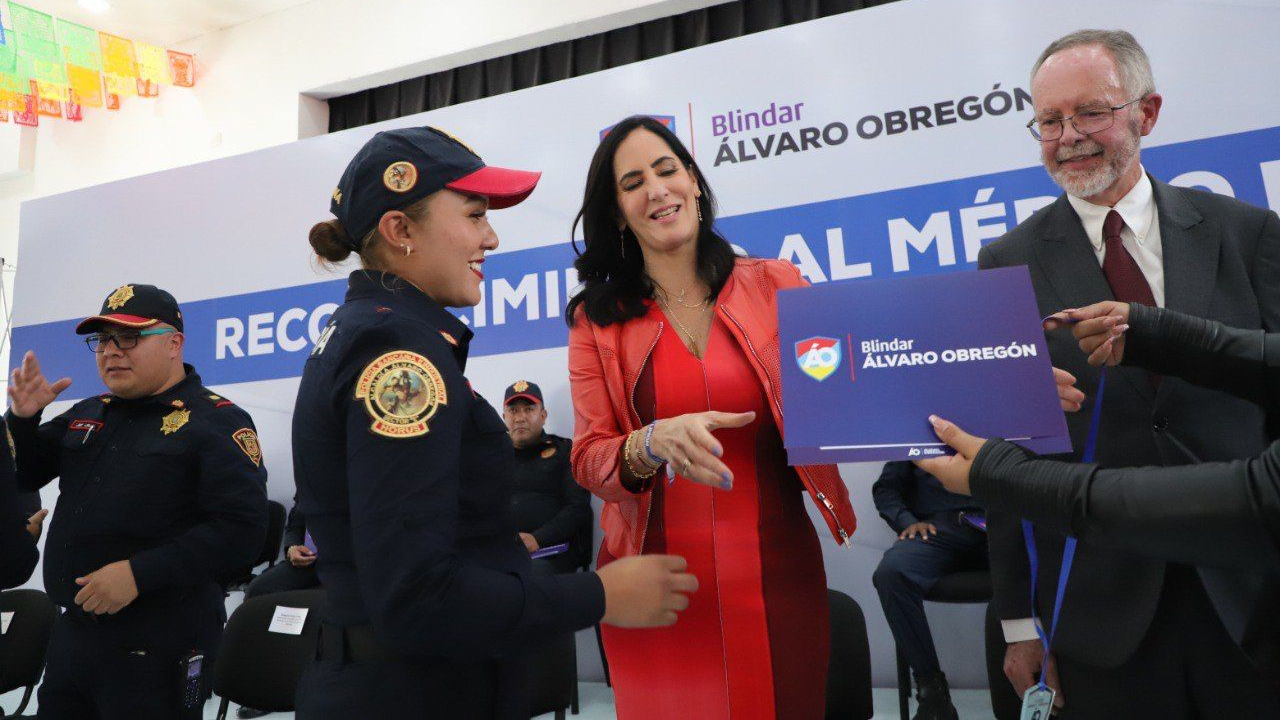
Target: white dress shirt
column 1141, row 237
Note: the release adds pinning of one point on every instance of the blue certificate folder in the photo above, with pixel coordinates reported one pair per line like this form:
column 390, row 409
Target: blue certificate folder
column 865, row 362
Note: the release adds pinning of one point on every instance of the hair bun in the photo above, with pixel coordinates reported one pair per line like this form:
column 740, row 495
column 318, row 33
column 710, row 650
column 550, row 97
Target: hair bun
column 329, row 240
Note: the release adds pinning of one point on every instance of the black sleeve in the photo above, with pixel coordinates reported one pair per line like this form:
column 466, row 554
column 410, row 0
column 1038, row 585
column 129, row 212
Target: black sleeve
column 1010, row 568
column 18, row 554
column 38, row 447
column 231, row 491
column 1225, row 514
column 424, row 598
column 295, row 528
column 1245, row 363
column 575, row 513
column 890, row 492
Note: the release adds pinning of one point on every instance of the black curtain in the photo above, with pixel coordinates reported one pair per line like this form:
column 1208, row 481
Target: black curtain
column 578, row 57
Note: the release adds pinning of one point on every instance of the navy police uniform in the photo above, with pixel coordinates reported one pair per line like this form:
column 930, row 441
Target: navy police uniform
column 175, row 484
column 405, row 477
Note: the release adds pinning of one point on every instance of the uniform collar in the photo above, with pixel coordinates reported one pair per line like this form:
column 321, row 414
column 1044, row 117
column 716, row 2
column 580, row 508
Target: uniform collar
column 1136, row 208
column 179, row 392
column 390, row 287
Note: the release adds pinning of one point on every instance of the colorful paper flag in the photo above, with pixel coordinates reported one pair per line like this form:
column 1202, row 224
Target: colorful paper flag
column 4, row 116
column 153, row 63
column 37, row 45
column 86, row 83
column 45, row 106
column 80, row 45
column 182, row 67
column 28, row 115
column 74, row 110
column 117, row 56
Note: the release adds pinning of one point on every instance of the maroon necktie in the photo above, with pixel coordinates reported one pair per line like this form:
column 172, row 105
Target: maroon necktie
column 1124, row 276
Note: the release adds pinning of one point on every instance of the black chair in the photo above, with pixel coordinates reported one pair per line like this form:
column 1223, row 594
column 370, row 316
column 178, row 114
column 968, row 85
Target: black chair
column 260, row 669
column 959, row 588
column 26, row 641
column 553, row 676
column 849, row 671
column 270, row 547
column 1005, row 703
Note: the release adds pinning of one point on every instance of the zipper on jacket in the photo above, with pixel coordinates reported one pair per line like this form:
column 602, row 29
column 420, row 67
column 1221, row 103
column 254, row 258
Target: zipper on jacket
column 632, row 397
column 831, row 510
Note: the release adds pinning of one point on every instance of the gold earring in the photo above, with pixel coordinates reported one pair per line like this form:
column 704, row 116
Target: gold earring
column 622, row 242
column 407, row 250
column 699, row 206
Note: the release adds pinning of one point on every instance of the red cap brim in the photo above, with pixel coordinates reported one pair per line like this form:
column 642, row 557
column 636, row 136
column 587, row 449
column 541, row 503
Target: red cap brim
column 521, row 396
column 504, row 187
column 87, row 325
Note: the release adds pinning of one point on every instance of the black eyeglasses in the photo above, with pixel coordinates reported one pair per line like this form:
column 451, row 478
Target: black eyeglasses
column 125, row 341
column 1086, row 122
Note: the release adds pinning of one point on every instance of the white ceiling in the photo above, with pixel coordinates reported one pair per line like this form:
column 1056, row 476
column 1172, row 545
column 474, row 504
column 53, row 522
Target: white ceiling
column 164, row 22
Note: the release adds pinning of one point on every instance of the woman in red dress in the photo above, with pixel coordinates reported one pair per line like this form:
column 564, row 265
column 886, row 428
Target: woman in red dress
column 674, row 370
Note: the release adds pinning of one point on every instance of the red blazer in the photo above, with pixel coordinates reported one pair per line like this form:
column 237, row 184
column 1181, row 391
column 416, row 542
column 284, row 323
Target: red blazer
column 605, row 364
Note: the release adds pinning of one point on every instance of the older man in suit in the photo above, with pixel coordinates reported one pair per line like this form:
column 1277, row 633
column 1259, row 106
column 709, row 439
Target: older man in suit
column 1136, row 638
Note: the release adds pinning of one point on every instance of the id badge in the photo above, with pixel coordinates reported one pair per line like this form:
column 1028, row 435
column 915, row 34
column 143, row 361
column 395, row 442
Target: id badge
column 1037, row 702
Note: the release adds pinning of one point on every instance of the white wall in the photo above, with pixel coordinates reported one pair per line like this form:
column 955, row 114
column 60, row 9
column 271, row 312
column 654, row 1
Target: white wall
column 258, row 85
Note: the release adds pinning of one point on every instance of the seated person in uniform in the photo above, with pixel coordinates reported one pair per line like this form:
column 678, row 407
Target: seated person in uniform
column 933, row 541
column 549, row 507
column 298, row 573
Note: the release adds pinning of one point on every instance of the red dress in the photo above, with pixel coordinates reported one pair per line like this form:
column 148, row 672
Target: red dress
column 754, row 641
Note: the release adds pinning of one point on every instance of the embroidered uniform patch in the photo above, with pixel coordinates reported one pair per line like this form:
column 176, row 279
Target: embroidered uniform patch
column 174, row 421
column 119, row 297
column 402, row 391
column 247, row 439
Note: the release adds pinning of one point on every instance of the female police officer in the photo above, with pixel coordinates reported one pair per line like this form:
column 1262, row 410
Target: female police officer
column 404, row 472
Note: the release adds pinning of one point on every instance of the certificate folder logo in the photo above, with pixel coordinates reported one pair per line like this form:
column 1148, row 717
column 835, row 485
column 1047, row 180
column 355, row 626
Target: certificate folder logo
column 818, row 357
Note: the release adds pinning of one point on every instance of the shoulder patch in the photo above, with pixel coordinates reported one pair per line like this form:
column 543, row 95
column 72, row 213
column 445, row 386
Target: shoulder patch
column 247, row 439
column 218, row 401
column 402, row 391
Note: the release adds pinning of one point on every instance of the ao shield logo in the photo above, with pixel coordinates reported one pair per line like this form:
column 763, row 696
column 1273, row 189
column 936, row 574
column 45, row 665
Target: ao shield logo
column 818, row 357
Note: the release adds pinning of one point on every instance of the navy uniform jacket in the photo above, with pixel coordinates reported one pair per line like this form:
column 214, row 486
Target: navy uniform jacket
column 904, row 495
column 547, row 502
column 404, row 477
column 17, row 547
column 173, row 483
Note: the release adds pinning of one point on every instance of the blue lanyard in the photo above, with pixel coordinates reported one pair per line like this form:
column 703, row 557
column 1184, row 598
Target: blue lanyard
column 1069, row 549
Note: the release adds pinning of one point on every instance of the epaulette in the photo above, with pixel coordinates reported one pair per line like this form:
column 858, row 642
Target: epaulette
column 218, row 400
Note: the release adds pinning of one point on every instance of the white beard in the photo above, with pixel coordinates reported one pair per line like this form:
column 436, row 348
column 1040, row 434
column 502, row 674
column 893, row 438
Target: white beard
column 1088, row 183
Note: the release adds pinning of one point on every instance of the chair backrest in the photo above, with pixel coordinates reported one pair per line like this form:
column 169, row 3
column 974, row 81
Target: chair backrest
column 258, row 668
column 849, row 672
column 275, row 533
column 27, row 639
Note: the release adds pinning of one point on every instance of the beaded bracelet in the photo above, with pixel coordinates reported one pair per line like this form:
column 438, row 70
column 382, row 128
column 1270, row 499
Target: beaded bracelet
column 627, row 448
column 648, row 451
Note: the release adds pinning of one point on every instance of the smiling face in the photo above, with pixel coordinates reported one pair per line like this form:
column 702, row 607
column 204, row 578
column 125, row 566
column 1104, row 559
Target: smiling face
column 657, row 195
column 1103, row 165
column 447, row 247
column 143, row 370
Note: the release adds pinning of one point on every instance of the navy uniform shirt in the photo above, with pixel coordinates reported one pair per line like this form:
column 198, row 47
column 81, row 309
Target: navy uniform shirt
column 904, row 495
column 547, row 503
column 173, row 483
column 404, row 476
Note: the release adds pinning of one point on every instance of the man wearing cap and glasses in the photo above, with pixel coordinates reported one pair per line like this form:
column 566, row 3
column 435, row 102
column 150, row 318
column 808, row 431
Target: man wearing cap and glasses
column 162, row 497
column 550, row 508
column 1136, row 638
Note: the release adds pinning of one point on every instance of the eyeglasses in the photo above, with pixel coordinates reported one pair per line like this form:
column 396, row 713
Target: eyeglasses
column 125, row 341
column 1086, row 122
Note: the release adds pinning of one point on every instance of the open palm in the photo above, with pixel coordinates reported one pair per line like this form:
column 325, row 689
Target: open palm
column 29, row 391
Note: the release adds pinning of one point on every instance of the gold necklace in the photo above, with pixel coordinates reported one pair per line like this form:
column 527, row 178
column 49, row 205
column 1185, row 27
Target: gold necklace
column 693, row 341
column 679, row 299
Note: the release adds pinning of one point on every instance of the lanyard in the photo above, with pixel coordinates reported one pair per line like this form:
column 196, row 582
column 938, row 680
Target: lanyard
column 1069, row 549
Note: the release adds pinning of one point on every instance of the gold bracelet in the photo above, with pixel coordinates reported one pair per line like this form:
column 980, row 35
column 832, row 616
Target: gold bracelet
column 627, row 450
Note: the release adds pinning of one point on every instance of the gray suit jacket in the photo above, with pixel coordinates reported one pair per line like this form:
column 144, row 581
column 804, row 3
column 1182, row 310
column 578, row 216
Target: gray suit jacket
column 1222, row 262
